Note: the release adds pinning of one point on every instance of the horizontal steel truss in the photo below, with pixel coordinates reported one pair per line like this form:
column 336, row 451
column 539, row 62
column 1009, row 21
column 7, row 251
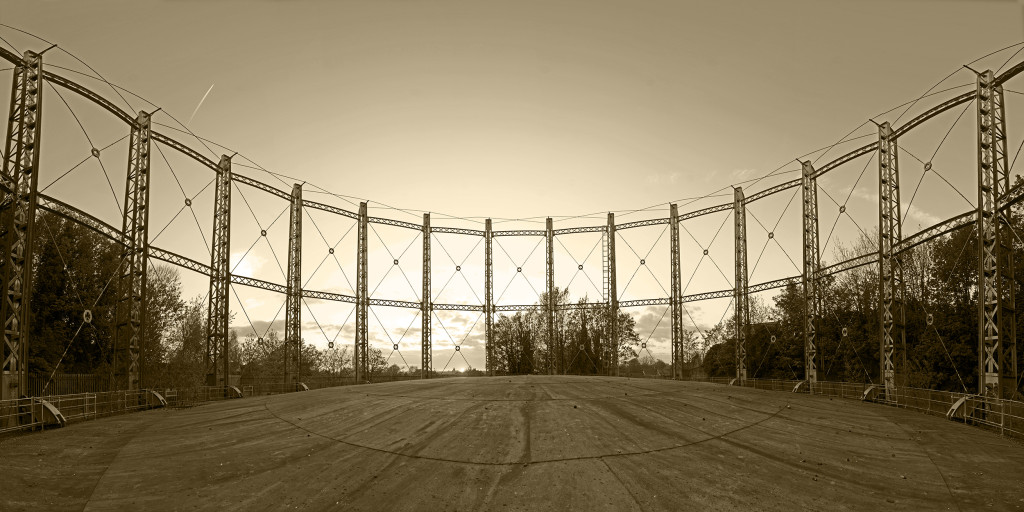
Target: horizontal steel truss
column 1014, row 196
column 71, row 213
column 128, row 119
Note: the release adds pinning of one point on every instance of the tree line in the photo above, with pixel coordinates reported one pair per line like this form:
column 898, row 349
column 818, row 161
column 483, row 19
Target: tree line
column 580, row 341
column 941, row 320
column 75, row 270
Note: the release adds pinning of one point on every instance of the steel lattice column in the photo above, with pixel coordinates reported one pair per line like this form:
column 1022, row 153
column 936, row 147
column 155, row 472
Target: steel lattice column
column 996, row 312
column 293, row 304
column 488, row 298
column 20, row 178
column 741, row 298
column 612, row 293
column 676, row 301
column 130, row 307
column 220, row 277
column 361, row 359
column 549, row 307
column 892, row 289
column 810, row 277
column 425, row 341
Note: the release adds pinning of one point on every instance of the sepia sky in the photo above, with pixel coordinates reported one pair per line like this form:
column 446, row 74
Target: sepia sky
column 528, row 109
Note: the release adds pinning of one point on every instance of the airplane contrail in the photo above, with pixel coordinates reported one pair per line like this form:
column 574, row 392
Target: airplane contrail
column 200, row 104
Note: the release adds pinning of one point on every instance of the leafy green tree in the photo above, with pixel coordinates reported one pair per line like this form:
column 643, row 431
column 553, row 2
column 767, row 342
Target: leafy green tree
column 184, row 344
column 74, row 290
column 580, row 343
column 163, row 305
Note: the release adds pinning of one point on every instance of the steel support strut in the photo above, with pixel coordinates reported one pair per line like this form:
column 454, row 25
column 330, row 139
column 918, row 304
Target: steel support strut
column 549, row 307
column 220, row 279
column 892, row 289
column 426, row 345
column 741, row 297
column 129, row 310
column 293, row 304
column 612, row 293
column 810, row 275
column 18, row 212
column 997, row 348
column 361, row 359
column 488, row 299
column 676, row 301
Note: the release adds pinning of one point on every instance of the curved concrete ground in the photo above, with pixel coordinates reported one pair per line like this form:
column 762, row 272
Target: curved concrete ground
column 517, row 443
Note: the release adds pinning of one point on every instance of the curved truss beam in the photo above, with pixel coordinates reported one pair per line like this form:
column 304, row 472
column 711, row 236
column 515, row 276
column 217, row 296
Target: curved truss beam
column 69, row 212
column 825, row 168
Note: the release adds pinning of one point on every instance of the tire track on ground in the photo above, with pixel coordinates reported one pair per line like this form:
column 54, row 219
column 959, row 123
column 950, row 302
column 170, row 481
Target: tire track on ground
column 505, row 464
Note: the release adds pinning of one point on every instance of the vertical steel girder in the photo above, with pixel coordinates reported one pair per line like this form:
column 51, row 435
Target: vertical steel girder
column 293, row 302
column 612, row 293
column 488, row 299
column 217, row 349
column 129, row 310
column 997, row 348
column 741, row 298
column 21, row 177
column 549, row 308
column 361, row 361
column 676, row 300
column 811, row 265
column 426, row 344
column 892, row 289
